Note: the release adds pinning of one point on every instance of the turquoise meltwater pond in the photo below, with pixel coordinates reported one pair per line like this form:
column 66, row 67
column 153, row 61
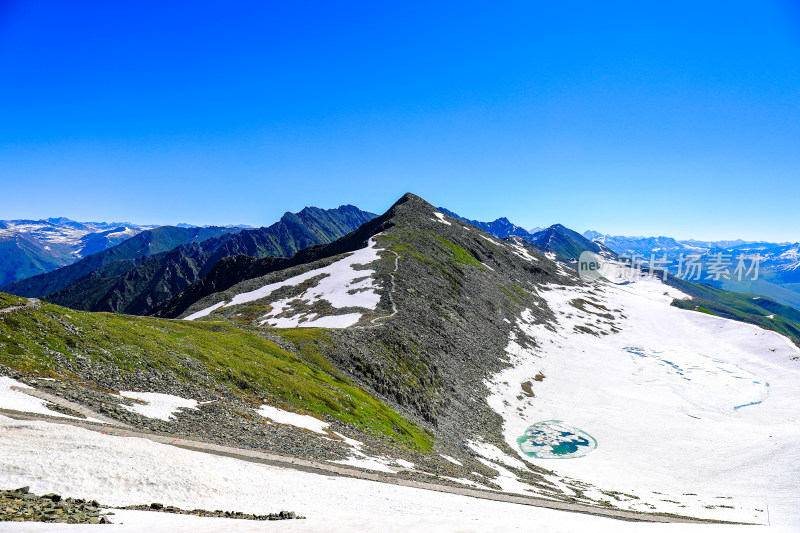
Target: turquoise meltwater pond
column 553, row 439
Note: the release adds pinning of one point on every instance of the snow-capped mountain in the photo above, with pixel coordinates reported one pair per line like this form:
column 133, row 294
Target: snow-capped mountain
column 635, row 245
column 778, row 272
column 623, row 244
column 789, row 259
column 76, row 237
column 31, row 247
column 186, row 225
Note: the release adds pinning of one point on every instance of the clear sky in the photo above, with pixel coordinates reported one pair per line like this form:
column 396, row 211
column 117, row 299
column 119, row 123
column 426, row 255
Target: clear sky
column 670, row 118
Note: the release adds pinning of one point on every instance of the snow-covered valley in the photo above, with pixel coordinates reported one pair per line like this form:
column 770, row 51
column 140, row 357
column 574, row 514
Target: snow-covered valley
column 692, row 414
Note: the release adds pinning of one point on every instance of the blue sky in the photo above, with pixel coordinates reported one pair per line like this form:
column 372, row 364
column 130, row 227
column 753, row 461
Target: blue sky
column 678, row 118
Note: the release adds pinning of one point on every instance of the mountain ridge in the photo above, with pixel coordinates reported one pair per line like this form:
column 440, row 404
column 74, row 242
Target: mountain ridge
column 135, row 285
column 501, row 227
column 557, row 238
column 144, row 244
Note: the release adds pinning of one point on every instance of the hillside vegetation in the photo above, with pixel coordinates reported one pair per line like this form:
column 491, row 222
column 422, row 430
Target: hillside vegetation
column 51, row 341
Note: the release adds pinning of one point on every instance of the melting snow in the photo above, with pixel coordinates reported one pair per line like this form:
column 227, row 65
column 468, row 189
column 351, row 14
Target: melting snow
column 205, row 312
column 522, row 252
column 360, row 460
column 493, row 453
column 352, row 442
column 157, row 405
column 330, row 321
column 19, row 401
column 341, row 285
column 452, row 460
column 128, row 470
column 440, row 217
column 293, row 419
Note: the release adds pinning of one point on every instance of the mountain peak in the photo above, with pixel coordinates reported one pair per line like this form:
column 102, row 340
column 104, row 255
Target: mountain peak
column 408, row 207
column 409, row 196
column 59, row 220
column 412, row 201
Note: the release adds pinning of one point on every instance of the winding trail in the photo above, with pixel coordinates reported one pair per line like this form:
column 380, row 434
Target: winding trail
column 32, row 303
column 391, row 293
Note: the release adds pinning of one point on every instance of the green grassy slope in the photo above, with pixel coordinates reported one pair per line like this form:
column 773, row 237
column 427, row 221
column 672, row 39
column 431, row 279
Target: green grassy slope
column 58, row 342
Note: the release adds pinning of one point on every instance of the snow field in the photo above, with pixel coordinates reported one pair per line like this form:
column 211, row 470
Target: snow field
column 341, row 285
column 667, row 424
column 123, row 471
column 440, row 218
column 157, row 405
column 361, row 460
column 16, row 400
column 293, row 419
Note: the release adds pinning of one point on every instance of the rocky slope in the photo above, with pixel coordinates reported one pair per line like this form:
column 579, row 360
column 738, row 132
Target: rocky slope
column 408, row 375
column 427, row 347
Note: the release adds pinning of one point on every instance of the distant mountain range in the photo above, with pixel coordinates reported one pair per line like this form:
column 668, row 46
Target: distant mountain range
column 130, row 268
column 500, row 228
column 778, row 274
column 185, row 225
column 137, row 275
column 557, row 239
column 115, row 260
column 31, row 247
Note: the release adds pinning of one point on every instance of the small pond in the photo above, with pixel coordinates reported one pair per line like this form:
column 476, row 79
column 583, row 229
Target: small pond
column 553, row 439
